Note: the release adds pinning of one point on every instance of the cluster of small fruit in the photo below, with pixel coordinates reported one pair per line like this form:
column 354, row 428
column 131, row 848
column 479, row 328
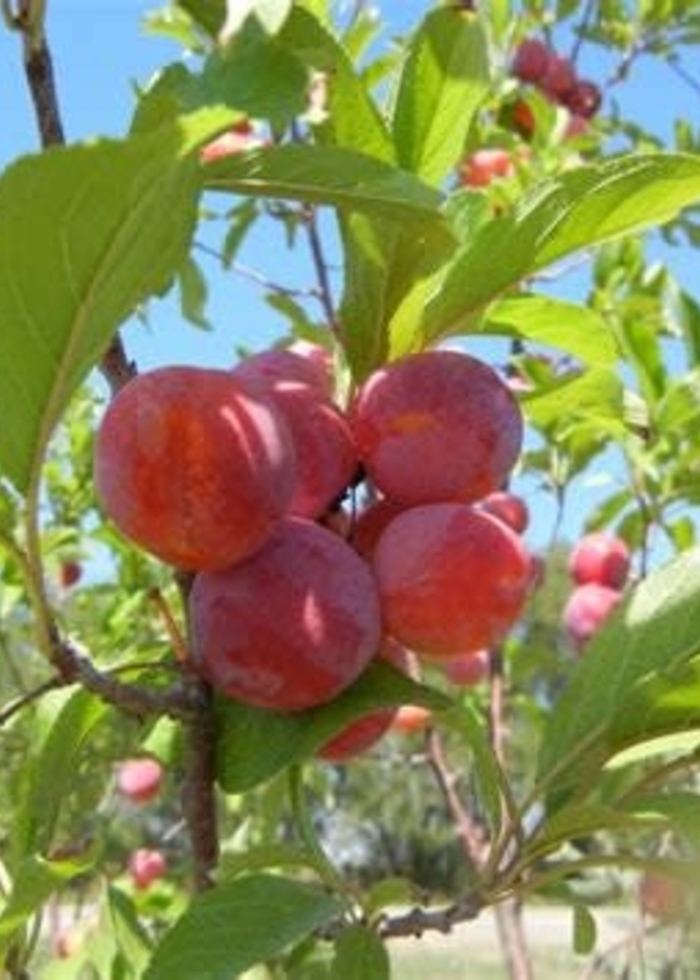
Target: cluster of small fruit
column 599, row 565
column 139, row 781
column 535, row 63
column 233, row 474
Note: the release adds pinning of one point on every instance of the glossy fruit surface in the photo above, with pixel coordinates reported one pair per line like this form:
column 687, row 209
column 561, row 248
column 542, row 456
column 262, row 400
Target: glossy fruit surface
column 146, row 865
column 452, row 579
column 437, row 426
column 600, row 557
column 193, row 467
column 139, row 780
column 291, row 627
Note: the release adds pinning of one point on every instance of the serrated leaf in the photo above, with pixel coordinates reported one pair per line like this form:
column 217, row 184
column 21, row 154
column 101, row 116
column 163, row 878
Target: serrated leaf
column 359, row 955
column 638, row 679
column 577, row 210
column 443, row 83
column 66, row 721
column 86, row 234
column 570, row 327
column 238, row 924
column 585, row 930
column 255, row 744
column 35, row 880
column 329, row 175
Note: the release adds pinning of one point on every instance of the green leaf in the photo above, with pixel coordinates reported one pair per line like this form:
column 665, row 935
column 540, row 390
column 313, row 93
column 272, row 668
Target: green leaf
column 193, row 293
column 131, row 937
column 238, row 924
column 585, row 930
column 87, row 233
column 270, row 15
column 266, row 857
column 209, row 14
column 255, row 744
column 444, row 81
column 34, row 882
column 680, row 809
column 360, row 955
column 580, row 209
column 595, row 395
column 575, row 329
column 471, row 726
column 354, row 121
column 638, row 679
column 66, row 721
column 329, row 175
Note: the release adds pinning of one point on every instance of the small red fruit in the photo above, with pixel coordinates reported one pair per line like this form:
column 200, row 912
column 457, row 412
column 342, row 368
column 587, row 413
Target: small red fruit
column 559, row 79
column 482, row 167
column 587, row 608
column 371, row 522
column 468, row 669
column 451, row 578
column 584, row 99
column 437, row 426
column 411, row 718
column 291, row 627
column 238, row 139
column 303, row 362
column 146, row 865
column 139, row 780
column 70, row 573
column 531, row 60
column 600, row 557
column 507, row 507
column 193, row 467
column 663, row 897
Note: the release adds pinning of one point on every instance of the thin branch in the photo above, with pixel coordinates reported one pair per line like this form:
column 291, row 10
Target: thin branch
column 257, row 277
column 321, row 267
column 420, row 920
column 199, row 795
column 14, row 707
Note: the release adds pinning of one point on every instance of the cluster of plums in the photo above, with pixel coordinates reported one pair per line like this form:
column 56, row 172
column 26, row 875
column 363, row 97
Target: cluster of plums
column 535, row 63
column 248, row 477
column 599, row 566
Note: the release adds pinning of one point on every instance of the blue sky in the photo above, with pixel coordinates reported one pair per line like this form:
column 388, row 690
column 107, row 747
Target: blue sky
column 100, row 51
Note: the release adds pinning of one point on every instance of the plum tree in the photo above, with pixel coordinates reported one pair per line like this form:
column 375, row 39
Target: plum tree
column 292, row 626
column 194, row 467
column 452, row 579
column 437, row 426
column 139, row 780
column 484, row 166
column 601, row 557
column 531, row 60
column 303, row 362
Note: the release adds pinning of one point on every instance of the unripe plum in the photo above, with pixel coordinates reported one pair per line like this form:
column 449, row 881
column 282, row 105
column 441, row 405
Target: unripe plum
column 468, row 669
column 139, row 780
column 531, row 60
column 146, row 865
column 193, row 467
column 291, row 627
column 586, row 610
column 437, row 426
column 600, row 557
column 323, row 442
column 452, row 579
column 484, row 166
column 507, row 507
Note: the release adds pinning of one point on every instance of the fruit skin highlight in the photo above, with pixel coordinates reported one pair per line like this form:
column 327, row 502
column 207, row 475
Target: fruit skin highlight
column 193, row 467
column 452, row 579
column 139, row 780
column 437, row 426
column 291, row 627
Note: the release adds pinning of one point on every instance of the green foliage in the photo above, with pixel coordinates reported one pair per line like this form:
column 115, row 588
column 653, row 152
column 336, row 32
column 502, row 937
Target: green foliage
column 239, row 924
